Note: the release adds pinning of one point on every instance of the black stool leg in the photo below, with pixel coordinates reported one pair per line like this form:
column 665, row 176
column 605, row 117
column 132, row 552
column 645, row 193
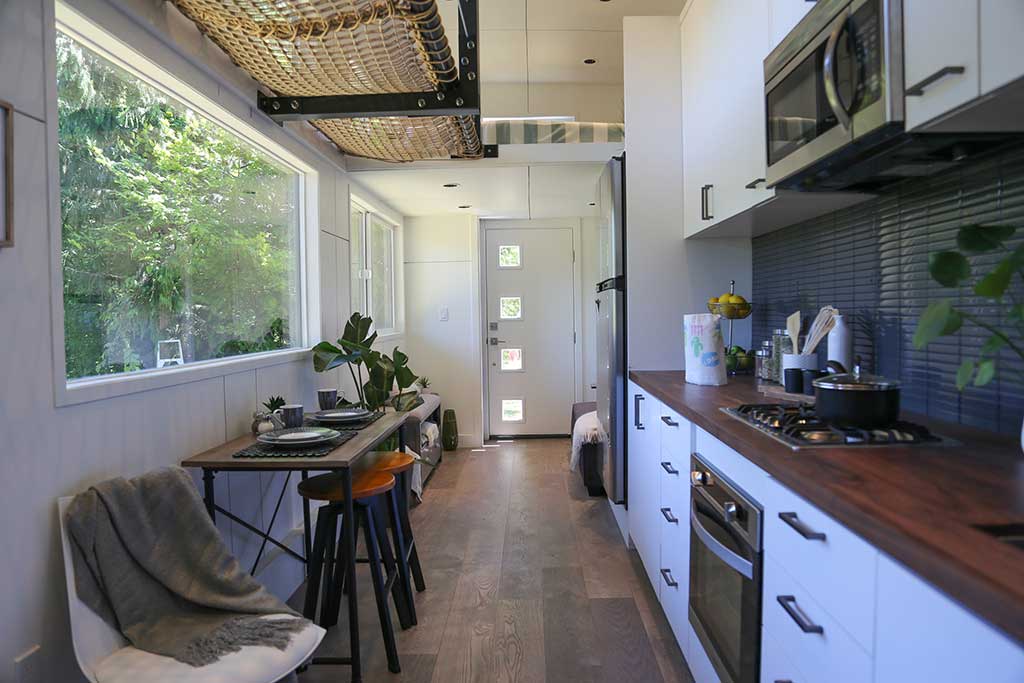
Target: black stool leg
column 316, row 561
column 333, row 564
column 380, row 589
column 403, row 566
column 390, row 565
column 403, row 511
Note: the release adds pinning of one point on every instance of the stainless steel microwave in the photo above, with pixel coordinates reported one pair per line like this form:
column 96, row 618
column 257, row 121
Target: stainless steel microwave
column 833, row 88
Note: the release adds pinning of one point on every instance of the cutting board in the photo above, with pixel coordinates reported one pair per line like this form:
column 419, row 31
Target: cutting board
column 778, row 393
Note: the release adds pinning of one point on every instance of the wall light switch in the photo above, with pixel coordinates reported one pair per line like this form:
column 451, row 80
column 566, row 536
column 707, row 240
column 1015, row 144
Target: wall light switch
column 444, row 314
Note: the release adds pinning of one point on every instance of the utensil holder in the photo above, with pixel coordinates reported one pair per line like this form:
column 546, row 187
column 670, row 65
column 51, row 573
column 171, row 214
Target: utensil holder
column 799, row 361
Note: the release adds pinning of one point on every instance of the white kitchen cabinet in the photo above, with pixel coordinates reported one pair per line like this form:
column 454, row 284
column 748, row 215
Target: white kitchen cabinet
column 783, row 15
column 775, row 664
column 940, row 57
column 925, row 636
column 723, row 110
column 1002, row 60
column 644, row 481
column 676, row 437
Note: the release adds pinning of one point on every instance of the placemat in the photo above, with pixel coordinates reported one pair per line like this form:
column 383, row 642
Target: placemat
column 259, row 450
column 347, row 426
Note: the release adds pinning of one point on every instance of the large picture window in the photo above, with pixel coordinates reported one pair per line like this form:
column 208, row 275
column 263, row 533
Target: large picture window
column 180, row 239
column 373, row 267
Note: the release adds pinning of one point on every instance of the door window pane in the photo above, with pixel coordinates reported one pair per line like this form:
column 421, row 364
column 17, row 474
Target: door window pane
column 510, row 256
column 512, row 410
column 510, row 308
column 511, row 360
column 357, row 259
column 179, row 239
column 382, row 273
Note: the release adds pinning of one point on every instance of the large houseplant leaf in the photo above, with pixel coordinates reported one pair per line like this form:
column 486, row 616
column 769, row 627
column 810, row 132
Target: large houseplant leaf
column 938, row 319
column 949, row 268
column 977, row 239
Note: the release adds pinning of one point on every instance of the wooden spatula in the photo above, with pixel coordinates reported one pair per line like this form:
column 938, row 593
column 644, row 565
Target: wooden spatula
column 793, row 328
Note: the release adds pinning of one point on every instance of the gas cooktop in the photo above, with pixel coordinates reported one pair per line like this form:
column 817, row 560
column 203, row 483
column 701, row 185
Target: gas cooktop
column 797, row 426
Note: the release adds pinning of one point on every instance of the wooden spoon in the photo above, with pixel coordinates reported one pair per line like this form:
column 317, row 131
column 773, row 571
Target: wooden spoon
column 793, row 328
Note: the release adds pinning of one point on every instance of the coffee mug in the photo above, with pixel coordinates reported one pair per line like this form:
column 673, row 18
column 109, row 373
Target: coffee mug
column 291, row 414
column 327, row 398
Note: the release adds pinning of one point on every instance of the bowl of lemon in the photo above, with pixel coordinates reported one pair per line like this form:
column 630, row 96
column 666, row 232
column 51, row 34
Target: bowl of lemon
column 730, row 306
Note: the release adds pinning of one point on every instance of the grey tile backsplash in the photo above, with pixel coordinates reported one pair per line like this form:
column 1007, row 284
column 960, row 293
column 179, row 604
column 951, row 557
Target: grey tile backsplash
column 871, row 262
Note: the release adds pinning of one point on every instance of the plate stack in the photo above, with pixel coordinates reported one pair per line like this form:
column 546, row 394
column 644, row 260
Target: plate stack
column 342, row 416
column 298, row 437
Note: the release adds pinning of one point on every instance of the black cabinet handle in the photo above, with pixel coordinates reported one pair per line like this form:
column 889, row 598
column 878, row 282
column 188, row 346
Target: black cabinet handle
column 917, row 89
column 705, row 202
column 667, row 575
column 752, row 185
column 788, row 603
column 781, row 680
column 794, row 523
column 667, row 466
column 669, row 421
column 669, row 517
column 636, row 410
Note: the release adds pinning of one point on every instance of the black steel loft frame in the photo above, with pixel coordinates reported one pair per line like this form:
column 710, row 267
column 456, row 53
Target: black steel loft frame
column 459, row 98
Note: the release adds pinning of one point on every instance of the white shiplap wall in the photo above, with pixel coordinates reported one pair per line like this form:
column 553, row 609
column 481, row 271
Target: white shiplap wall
column 47, row 452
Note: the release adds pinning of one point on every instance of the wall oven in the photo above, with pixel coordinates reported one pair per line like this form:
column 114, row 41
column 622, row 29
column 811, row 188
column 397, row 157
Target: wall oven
column 725, row 573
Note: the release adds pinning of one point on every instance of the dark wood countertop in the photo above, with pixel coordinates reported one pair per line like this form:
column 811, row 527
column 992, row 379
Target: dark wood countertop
column 918, row 504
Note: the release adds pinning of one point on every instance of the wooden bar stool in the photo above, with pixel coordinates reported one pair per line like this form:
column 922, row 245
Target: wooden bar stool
column 400, row 465
column 327, row 562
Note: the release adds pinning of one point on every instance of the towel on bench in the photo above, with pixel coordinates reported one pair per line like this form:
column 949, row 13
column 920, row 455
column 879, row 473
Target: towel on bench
column 586, row 430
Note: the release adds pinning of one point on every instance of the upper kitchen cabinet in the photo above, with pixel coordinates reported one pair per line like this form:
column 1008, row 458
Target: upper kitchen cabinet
column 959, row 52
column 724, row 44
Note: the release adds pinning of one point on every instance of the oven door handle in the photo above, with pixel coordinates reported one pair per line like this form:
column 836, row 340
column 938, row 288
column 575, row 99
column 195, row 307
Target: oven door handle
column 739, row 564
column 829, row 74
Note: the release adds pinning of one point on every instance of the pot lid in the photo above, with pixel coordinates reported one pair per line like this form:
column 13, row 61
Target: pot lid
column 855, row 381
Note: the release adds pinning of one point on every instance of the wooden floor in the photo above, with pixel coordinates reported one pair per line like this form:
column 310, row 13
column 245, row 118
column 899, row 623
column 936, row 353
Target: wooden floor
column 527, row 578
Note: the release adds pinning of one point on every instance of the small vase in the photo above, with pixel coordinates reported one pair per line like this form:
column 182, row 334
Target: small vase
column 449, row 431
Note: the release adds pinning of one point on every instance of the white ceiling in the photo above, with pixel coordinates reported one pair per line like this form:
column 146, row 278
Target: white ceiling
column 542, row 191
column 546, row 41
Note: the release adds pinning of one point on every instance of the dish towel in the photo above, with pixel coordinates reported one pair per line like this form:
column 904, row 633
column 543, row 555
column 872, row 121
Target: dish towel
column 587, row 429
column 150, row 562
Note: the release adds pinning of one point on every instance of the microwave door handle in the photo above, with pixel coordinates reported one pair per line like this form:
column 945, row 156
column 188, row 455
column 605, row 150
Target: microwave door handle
column 829, row 74
column 739, row 564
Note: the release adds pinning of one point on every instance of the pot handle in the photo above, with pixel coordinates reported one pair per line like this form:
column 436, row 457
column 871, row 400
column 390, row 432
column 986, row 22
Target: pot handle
column 836, row 367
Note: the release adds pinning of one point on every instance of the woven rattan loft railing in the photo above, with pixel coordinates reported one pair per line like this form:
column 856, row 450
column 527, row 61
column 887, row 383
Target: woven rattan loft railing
column 322, row 49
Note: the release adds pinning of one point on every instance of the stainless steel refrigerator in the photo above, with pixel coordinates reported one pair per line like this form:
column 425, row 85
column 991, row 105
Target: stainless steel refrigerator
column 611, row 326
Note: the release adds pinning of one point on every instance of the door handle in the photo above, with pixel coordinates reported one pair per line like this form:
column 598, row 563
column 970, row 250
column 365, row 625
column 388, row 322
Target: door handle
column 829, row 74
column 495, row 341
column 788, row 603
column 666, row 574
column 669, row 421
column 669, row 517
column 917, row 90
column 636, row 411
column 667, row 466
column 794, row 523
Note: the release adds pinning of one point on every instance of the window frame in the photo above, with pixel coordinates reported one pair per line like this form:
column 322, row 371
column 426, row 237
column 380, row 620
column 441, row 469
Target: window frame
column 260, row 135
column 366, row 292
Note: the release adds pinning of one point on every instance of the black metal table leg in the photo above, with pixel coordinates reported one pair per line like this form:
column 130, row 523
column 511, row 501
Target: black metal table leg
column 350, row 562
column 305, row 524
column 208, row 496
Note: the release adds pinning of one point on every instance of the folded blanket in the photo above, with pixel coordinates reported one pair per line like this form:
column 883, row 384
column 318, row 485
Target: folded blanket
column 586, row 430
column 150, row 562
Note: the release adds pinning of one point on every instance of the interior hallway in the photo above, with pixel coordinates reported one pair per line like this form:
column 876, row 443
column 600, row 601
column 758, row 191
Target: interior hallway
column 527, row 580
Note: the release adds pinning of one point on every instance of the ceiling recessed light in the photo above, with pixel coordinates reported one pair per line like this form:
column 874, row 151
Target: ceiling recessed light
column 590, row 60
column 450, row 185
column 465, row 206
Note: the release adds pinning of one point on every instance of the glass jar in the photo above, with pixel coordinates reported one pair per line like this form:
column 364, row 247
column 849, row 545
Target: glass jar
column 766, row 367
column 763, row 365
column 781, row 344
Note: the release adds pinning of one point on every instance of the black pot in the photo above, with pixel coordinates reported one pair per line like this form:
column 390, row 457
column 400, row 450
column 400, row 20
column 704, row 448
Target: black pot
column 853, row 399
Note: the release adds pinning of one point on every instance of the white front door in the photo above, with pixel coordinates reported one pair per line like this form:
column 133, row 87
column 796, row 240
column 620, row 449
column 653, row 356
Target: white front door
column 530, row 330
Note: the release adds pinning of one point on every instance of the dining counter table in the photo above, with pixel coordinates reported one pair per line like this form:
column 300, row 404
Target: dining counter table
column 348, row 455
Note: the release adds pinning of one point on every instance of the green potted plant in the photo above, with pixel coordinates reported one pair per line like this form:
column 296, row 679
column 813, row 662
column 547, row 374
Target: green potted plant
column 953, row 269
column 383, row 373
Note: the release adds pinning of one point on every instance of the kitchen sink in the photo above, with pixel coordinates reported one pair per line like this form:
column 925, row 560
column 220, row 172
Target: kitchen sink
column 1011, row 534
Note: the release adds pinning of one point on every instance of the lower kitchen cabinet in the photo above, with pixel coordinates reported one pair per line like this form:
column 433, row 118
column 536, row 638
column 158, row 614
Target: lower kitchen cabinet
column 776, row 666
column 925, row 636
column 675, row 523
column 644, row 494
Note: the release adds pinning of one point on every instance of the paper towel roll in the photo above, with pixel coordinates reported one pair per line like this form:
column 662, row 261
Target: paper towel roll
column 705, row 349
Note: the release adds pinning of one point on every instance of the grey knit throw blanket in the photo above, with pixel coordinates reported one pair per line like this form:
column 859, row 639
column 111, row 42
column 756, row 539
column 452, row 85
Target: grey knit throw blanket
column 150, row 562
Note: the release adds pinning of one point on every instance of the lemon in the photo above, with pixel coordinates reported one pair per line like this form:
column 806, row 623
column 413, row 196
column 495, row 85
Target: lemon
column 713, row 300
column 724, row 299
column 737, row 299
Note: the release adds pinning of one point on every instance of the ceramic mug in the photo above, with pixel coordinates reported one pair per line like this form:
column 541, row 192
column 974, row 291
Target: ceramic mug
column 291, row 414
column 327, row 398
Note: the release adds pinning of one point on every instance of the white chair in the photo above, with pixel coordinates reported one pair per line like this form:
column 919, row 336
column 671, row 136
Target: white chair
column 104, row 656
